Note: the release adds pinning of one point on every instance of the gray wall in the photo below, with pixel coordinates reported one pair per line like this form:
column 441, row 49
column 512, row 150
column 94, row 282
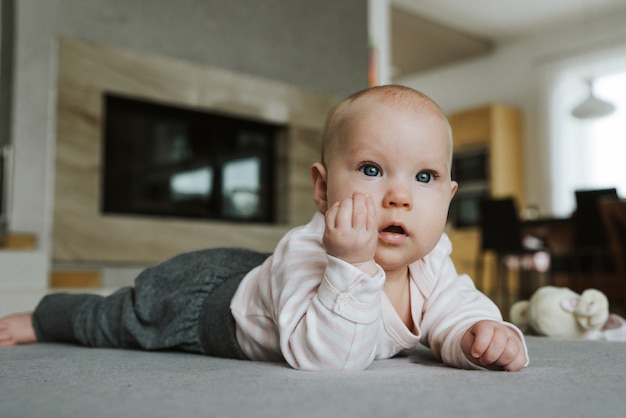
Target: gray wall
column 320, row 45
column 7, row 16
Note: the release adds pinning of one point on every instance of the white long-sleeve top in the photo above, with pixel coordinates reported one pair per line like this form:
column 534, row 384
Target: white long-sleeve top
column 318, row 312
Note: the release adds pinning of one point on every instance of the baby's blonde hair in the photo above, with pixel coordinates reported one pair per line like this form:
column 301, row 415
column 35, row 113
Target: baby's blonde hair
column 388, row 94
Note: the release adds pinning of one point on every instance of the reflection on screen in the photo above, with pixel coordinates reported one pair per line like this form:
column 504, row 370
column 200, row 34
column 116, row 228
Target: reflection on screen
column 193, row 184
column 241, row 186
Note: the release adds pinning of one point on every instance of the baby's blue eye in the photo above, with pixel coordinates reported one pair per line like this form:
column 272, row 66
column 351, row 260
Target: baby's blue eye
column 424, row 177
column 370, row 170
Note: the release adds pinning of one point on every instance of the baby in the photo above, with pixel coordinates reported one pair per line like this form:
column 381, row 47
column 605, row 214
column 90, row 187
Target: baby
column 369, row 277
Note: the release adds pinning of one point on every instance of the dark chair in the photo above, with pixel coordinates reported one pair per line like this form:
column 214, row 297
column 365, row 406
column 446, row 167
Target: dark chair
column 613, row 214
column 588, row 225
column 501, row 233
column 590, row 255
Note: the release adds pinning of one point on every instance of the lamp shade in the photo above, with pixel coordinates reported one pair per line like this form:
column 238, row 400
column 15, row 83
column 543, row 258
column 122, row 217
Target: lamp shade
column 592, row 107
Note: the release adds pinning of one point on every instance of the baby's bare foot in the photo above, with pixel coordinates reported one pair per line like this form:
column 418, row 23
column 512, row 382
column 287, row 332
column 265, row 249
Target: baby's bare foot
column 17, row 329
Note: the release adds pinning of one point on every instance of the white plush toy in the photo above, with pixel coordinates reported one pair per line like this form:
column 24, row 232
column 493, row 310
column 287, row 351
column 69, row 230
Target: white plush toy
column 561, row 312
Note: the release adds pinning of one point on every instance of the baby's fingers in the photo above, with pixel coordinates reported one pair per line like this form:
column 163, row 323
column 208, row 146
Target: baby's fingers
column 359, row 211
column 344, row 214
column 371, row 222
column 496, row 347
column 514, row 359
column 482, row 339
column 493, row 353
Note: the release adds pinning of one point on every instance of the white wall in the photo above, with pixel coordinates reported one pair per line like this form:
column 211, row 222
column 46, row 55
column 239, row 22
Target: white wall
column 518, row 74
column 31, row 185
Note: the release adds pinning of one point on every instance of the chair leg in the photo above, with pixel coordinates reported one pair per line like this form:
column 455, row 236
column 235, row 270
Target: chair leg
column 502, row 279
column 479, row 280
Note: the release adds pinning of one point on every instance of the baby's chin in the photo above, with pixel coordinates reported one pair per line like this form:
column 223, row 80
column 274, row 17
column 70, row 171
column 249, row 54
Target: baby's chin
column 394, row 261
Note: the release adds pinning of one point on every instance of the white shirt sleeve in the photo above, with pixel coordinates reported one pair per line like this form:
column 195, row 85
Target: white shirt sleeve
column 327, row 313
column 315, row 311
column 452, row 306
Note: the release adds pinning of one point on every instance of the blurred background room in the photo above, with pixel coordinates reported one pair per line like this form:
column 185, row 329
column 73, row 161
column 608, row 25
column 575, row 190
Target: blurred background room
column 535, row 92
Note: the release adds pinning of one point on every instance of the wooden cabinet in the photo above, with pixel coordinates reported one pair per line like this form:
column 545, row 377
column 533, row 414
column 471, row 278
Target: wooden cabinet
column 496, row 129
column 465, row 251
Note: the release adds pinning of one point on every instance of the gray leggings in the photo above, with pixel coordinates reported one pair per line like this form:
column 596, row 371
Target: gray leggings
column 181, row 304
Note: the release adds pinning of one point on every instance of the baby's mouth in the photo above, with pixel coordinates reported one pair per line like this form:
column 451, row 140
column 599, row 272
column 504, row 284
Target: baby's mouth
column 395, row 229
column 393, row 234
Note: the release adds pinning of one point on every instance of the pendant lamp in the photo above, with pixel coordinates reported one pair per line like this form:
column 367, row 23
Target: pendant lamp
column 592, row 107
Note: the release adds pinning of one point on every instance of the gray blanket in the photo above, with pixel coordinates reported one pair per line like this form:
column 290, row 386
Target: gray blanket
column 564, row 379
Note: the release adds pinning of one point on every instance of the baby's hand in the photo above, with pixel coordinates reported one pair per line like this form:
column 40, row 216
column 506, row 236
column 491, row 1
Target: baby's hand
column 351, row 232
column 495, row 346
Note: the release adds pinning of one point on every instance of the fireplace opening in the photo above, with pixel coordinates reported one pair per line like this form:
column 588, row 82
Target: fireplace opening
column 169, row 161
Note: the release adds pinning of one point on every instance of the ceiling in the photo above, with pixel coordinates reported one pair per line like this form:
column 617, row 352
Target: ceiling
column 430, row 33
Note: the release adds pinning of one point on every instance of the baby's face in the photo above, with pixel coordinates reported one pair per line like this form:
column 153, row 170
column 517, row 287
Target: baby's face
column 401, row 158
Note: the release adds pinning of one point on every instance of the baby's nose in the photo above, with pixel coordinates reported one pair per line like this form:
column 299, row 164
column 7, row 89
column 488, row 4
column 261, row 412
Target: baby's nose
column 398, row 198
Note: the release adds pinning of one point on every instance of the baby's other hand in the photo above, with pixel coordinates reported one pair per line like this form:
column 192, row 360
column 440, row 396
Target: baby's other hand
column 351, row 232
column 494, row 346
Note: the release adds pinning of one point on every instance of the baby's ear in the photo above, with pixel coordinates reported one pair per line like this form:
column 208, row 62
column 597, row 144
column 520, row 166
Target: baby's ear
column 519, row 315
column 318, row 178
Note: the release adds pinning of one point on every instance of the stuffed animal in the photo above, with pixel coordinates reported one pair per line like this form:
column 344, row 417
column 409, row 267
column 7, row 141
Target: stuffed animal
column 561, row 312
